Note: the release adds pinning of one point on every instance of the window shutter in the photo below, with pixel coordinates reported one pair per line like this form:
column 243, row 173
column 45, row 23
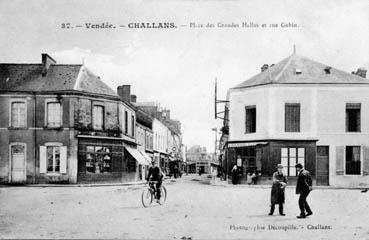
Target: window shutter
column 63, row 159
column 42, row 159
column 340, row 150
column 366, row 161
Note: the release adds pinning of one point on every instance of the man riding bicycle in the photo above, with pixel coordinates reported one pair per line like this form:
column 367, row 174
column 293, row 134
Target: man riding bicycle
column 155, row 174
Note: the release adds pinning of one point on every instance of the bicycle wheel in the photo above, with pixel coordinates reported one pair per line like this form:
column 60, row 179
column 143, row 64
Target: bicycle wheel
column 163, row 193
column 146, row 197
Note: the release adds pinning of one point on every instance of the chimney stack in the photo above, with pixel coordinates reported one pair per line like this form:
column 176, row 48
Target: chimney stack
column 361, row 72
column 133, row 98
column 166, row 114
column 46, row 62
column 124, row 92
column 264, row 67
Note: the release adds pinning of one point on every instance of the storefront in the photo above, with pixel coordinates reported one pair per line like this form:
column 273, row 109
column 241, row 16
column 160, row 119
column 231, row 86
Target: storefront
column 101, row 160
column 262, row 158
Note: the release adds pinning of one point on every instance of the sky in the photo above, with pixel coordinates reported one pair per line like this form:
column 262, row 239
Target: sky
column 177, row 67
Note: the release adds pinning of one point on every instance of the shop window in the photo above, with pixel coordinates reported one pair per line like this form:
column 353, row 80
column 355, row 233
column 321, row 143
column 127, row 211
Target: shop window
column 98, row 159
column 53, row 158
column 18, row 115
column 353, row 163
column 98, row 117
column 290, row 157
column 292, row 117
column 353, row 112
column 250, row 119
column 54, row 118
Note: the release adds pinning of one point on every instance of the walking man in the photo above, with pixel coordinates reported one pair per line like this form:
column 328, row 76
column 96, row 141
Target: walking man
column 303, row 187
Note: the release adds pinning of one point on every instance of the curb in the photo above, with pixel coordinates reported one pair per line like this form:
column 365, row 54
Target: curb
column 168, row 181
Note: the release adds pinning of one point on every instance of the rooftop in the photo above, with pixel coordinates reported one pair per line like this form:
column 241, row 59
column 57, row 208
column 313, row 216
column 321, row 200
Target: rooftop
column 297, row 69
column 59, row 77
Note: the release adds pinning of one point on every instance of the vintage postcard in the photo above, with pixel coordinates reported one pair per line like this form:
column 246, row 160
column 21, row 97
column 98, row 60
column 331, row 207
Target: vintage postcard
column 184, row 119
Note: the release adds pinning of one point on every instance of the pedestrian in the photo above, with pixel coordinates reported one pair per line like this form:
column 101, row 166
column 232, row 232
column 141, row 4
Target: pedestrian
column 303, row 187
column 278, row 190
column 234, row 173
column 249, row 178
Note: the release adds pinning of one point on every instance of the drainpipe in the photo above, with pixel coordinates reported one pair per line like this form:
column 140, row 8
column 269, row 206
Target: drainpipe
column 35, row 136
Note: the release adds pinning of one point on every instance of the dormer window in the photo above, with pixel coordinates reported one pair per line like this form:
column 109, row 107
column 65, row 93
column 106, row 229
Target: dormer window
column 327, row 70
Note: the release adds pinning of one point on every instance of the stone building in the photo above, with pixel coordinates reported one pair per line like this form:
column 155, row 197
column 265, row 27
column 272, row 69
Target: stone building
column 60, row 123
column 300, row 111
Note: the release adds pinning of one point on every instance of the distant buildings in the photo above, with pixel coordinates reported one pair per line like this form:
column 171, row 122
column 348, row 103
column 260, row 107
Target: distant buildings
column 60, row 123
column 300, row 111
column 198, row 160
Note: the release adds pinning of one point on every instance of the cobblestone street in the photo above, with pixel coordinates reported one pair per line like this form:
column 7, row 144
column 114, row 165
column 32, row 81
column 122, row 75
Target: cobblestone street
column 193, row 210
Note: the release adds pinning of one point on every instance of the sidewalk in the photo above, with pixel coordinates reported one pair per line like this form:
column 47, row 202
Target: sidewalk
column 205, row 180
column 137, row 183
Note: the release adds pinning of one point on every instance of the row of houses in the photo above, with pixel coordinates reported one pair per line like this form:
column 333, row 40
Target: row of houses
column 299, row 111
column 60, row 123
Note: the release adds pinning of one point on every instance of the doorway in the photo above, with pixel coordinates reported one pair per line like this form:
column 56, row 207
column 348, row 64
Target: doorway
column 17, row 163
column 322, row 166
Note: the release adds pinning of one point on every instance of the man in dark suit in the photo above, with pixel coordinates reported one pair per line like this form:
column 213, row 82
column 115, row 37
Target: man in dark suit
column 303, row 187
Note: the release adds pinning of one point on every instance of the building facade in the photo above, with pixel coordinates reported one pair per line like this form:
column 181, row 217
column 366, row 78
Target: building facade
column 301, row 111
column 62, row 124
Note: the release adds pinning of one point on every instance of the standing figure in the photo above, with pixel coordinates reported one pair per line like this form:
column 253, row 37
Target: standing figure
column 234, row 173
column 303, row 187
column 277, row 193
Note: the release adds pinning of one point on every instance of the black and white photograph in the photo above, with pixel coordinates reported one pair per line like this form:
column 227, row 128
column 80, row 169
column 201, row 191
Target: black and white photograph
column 184, row 119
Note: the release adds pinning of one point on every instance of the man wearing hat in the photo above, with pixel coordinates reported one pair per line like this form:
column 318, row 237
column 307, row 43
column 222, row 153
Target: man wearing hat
column 303, row 187
column 278, row 187
column 155, row 174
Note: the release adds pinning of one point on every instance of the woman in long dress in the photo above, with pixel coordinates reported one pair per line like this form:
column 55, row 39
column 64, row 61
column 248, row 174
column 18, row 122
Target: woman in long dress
column 278, row 187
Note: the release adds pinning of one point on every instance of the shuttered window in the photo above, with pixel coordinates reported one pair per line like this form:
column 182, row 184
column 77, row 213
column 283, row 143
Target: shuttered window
column 125, row 122
column 133, row 125
column 353, row 160
column 18, row 114
column 292, row 117
column 53, row 159
column 250, row 119
column 353, row 117
column 53, row 114
column 98, row 117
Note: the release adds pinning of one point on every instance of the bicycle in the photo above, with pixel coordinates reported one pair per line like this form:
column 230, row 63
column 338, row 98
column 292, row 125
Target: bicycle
column 150, row 193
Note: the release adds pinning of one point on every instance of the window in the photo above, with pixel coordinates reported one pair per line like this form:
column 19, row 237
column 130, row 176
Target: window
column 18, row 115
column 53, row 158
column 289, row 158
column 125, row 122
column 133, row 125
column 292, row 117
column 53, row 114
column 353, row 117
column 98, row 117
column 250, row 119
column 98, row 159
column 353, row 163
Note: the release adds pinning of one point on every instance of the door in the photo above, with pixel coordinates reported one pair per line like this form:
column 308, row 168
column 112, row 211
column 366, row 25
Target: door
column 322, row 166
column 18, row 163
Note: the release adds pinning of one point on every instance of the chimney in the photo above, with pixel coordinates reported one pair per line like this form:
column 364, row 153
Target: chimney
column 46, row 62
column 133, row 98
column 264, row 67
column 166, row 114
column 124, row 92
column 361, row 72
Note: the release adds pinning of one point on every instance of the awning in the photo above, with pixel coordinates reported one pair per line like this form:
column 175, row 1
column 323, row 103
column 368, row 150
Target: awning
column 246, row 144
column 137, row 155
column 147, row 157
